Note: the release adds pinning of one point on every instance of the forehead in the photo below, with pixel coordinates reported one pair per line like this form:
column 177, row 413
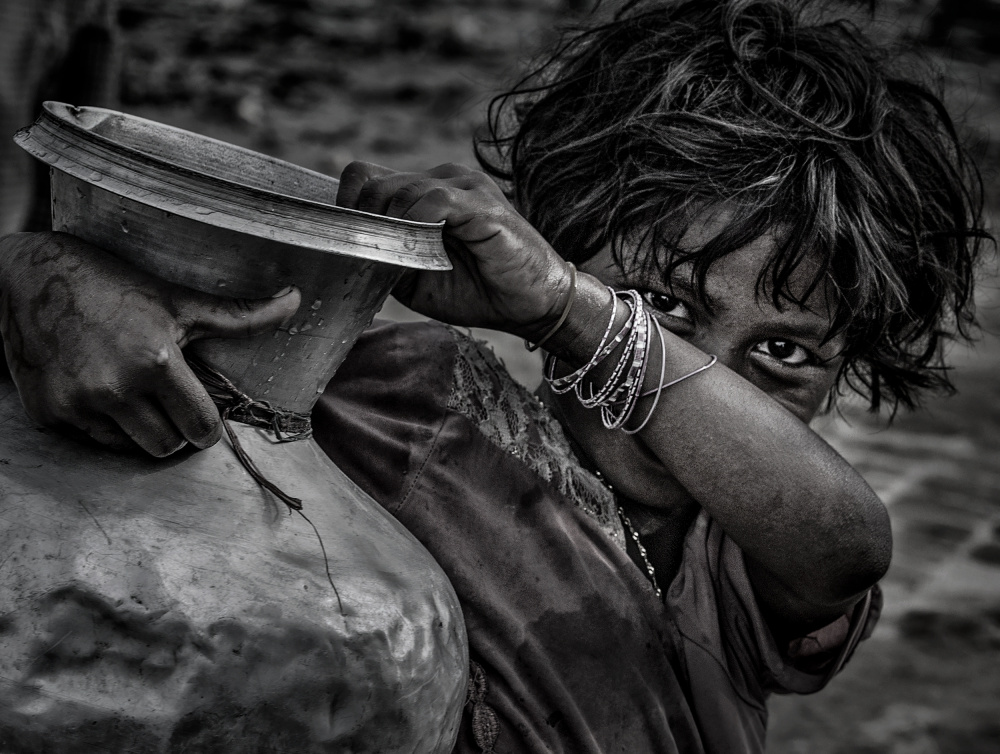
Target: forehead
column 746, row 265
column 740, row 280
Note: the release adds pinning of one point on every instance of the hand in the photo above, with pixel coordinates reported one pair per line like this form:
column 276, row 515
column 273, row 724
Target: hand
column 505, row 276
column 94, row 343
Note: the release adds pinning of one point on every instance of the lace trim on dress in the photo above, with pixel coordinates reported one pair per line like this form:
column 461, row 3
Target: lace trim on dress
column 517, row 422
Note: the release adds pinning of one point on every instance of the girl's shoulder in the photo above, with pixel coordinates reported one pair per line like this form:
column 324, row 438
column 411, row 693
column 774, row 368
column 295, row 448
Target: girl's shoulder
column 514, row 420
column 422, row 373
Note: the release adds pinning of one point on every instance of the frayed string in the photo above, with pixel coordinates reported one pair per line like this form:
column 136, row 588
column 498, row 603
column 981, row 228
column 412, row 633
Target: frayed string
column 287, row 426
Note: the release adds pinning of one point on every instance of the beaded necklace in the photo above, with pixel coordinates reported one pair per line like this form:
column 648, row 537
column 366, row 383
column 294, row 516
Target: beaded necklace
column 632, row 532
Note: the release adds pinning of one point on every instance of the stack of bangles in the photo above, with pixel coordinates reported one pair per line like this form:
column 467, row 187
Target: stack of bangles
column 621, row 392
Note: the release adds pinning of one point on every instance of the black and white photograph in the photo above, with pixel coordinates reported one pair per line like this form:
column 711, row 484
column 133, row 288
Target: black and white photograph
column 500, row 377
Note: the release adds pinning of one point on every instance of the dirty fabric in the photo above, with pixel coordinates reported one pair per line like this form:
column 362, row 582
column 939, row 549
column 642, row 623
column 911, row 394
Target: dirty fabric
column 571, row 649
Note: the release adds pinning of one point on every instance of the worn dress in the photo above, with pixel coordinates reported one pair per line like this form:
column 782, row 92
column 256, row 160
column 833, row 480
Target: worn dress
column 572, row 651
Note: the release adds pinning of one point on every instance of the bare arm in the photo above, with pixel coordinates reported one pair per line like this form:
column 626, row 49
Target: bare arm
column 815, row 535
column 95, row 344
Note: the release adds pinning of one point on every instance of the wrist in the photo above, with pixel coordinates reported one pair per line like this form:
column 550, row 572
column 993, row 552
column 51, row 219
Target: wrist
column 566, row 309
column 561, row 283
column 580, row 334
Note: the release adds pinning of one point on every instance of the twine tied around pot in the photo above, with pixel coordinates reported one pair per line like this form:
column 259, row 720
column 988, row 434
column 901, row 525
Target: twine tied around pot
column 287, row 426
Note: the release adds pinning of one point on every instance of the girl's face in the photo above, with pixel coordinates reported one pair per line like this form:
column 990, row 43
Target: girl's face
column 782, row 352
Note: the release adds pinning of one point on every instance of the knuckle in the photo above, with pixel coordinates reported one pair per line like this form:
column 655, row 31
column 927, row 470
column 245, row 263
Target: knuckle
column 354, row 171
column 440, row 193
column 409, row 193
column 181, row 307
column 483, row 183
column 369, row 193
column 240, row 308
column 451, row 170
column 105, row 394
column 158, row 358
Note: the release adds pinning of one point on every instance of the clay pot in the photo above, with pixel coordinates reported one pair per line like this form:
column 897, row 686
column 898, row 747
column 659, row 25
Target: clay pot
column 175, row 605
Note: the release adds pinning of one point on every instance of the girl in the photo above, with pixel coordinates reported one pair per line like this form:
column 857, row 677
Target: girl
column 717, row 217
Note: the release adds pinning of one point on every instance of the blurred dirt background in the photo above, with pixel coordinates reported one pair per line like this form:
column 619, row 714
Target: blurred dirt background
column 404, row 83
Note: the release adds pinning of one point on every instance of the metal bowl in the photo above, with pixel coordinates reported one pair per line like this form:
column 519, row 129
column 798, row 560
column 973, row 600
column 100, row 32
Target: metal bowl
column 226, row 220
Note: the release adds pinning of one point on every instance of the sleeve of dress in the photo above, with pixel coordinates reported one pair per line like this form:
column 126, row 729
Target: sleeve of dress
column 718, row 616
column 379, row 416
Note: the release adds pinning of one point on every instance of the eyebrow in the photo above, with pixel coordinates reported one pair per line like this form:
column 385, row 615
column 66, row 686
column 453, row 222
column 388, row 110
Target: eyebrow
column 683, row 284
column 817, row 330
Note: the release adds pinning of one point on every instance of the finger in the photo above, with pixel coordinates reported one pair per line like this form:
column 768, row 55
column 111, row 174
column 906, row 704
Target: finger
column 188, row 406
column 429, row 202
column 353, row 178
column 203, row 316
column 433, row 200
column 99, row 429
column 450, row 170
column 149, row 427
column 393, row 195
column 378, row 194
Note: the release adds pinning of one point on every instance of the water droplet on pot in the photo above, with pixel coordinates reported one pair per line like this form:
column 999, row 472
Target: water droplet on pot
column 316, row 304
column 124, row 226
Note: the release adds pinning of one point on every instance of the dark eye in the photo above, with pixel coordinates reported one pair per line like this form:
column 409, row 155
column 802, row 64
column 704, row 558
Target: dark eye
column 785, row 351
column 666, row 304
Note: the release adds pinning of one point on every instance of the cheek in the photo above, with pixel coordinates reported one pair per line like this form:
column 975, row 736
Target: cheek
column 808, row 399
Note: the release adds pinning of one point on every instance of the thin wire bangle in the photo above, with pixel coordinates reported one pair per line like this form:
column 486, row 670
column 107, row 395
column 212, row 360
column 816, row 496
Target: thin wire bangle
column 659, row 390
column 565, row 312
column 566, row 383
column 699, row 370
column 636, row 375
column 613, row 384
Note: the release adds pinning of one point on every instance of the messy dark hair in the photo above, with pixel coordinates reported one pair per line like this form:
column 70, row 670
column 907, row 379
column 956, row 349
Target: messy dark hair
column 637, row 124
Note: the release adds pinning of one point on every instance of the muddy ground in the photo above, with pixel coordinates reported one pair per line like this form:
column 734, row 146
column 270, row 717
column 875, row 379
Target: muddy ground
column 404, row 83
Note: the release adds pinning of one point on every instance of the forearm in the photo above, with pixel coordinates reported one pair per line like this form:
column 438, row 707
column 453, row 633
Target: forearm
column 790, row 501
